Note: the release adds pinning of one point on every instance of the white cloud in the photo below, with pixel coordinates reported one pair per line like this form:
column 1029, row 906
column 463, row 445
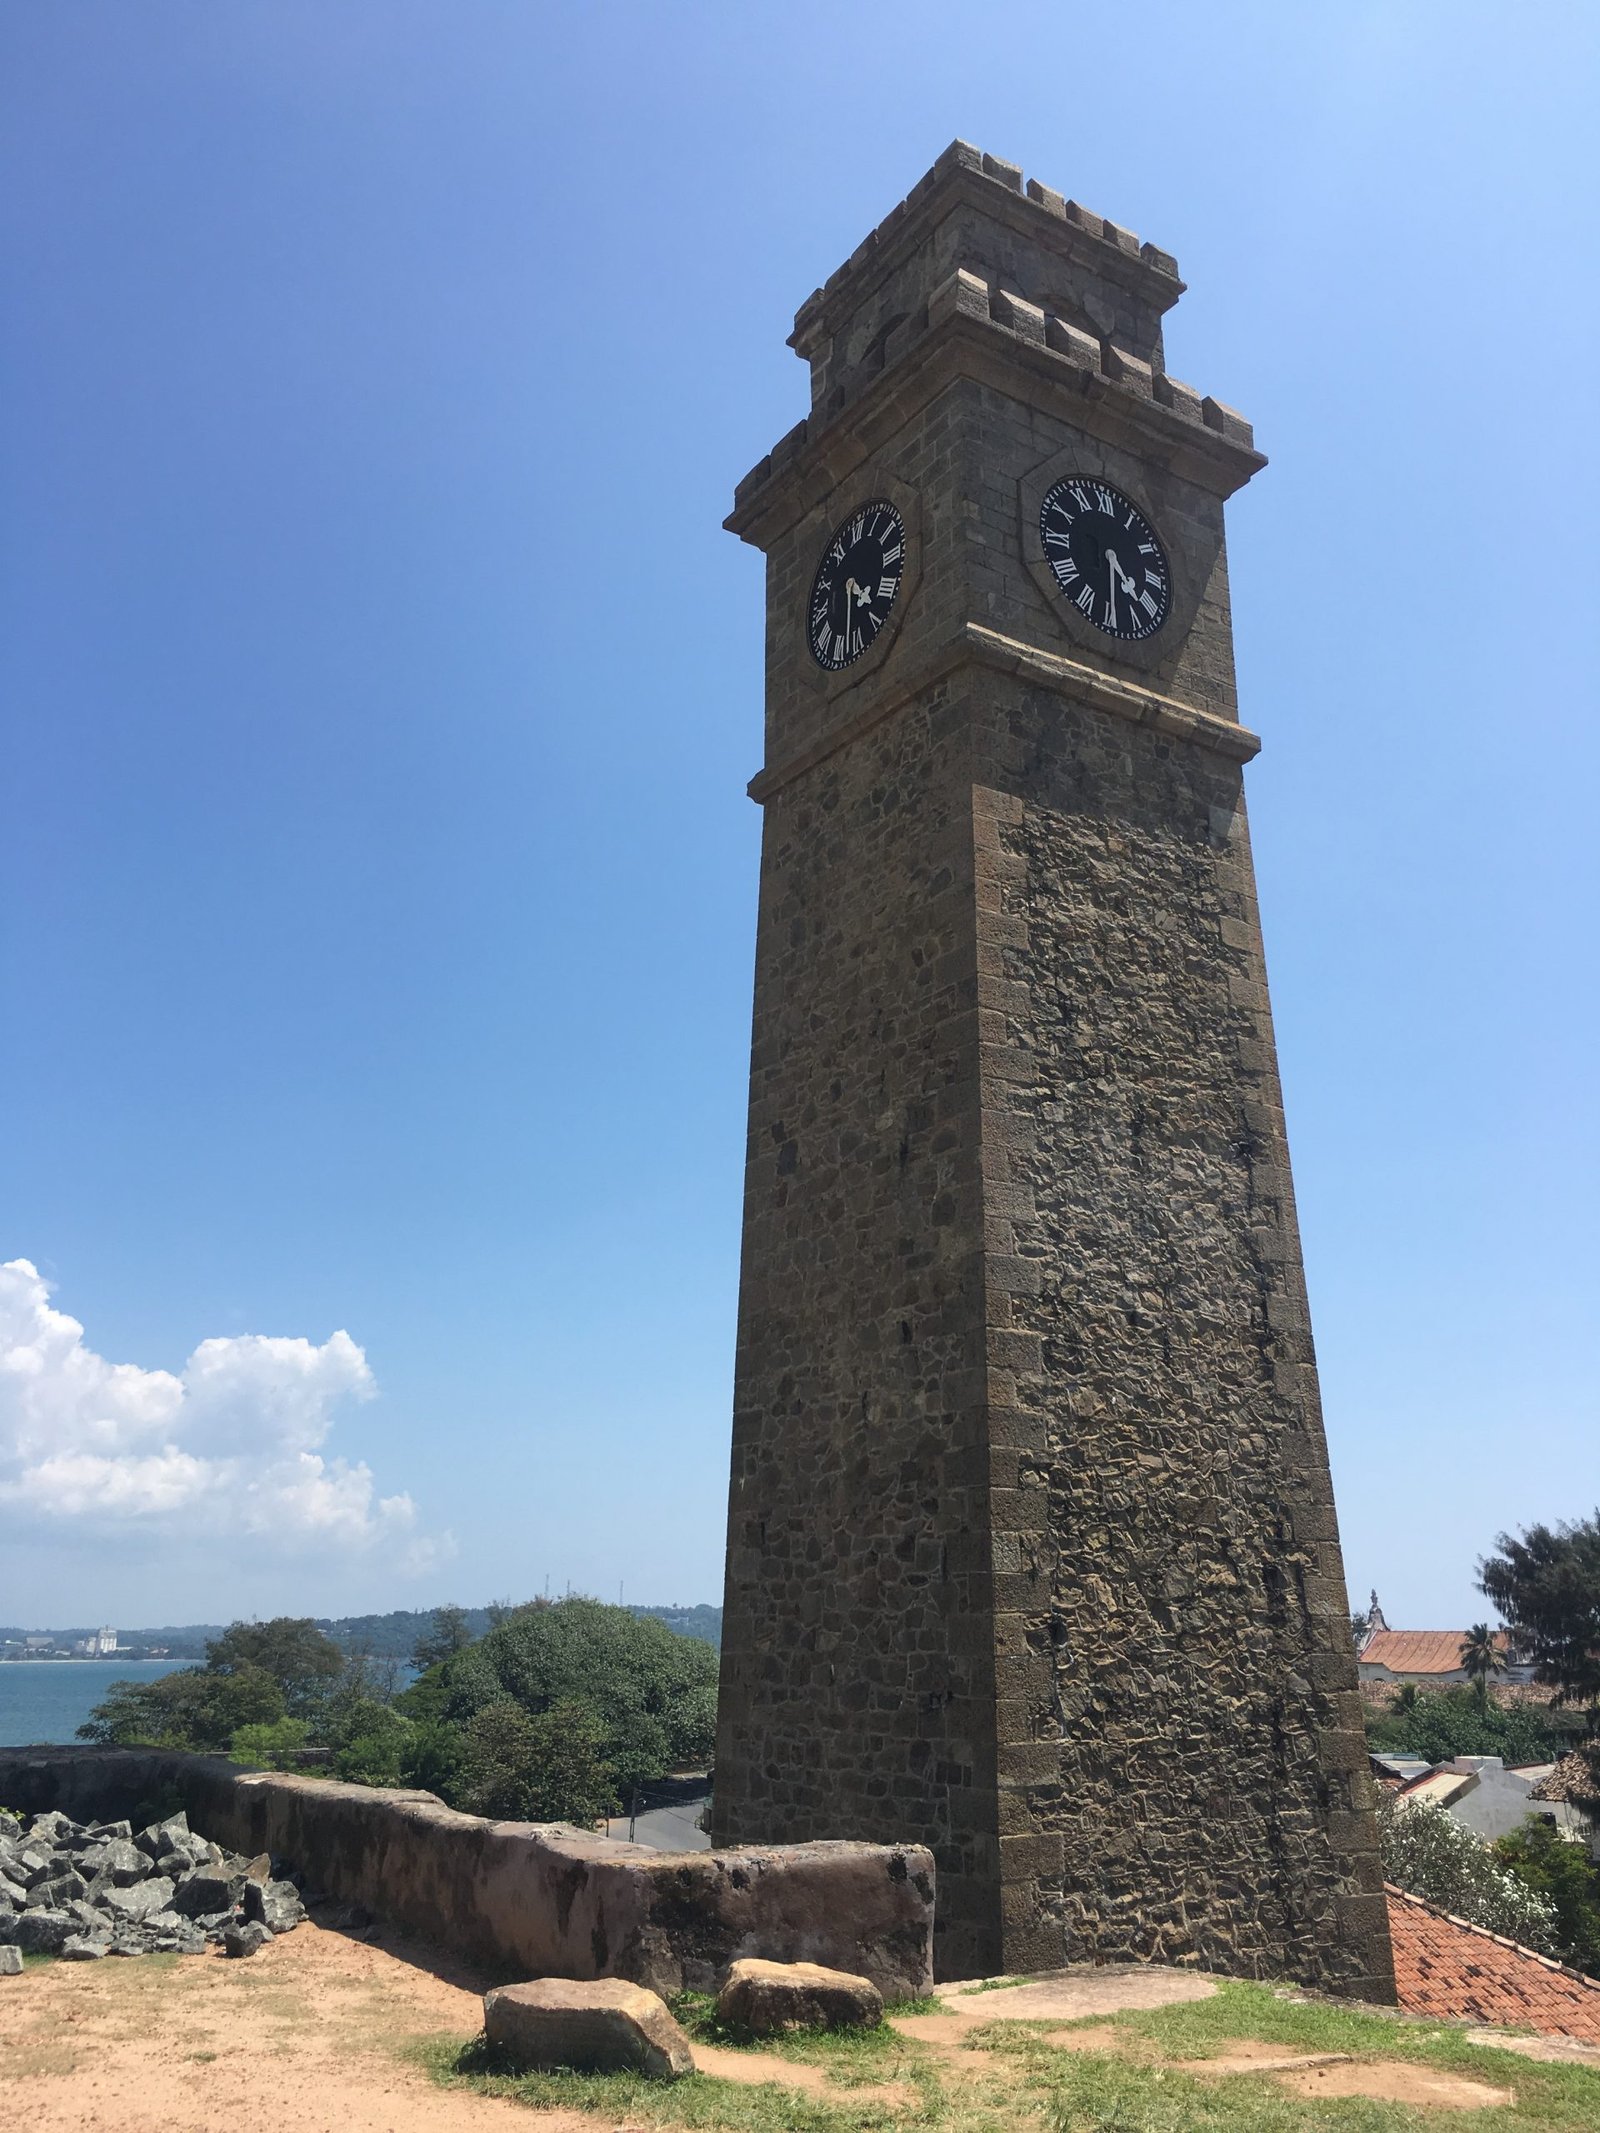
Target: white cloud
column 100, row 1447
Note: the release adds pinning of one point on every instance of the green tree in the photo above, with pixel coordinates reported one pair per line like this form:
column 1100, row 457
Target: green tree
column 301, row 1660
column 1563, row 1874
column 375, row 1745
column 447, row 1635
column 274, row 1747
column 1481, row 1656
column 652, row 1693
column 192, row 1708
column 1427, row 1852
column 516, row 1767
column 1445, row 1723
column 1546, row 1584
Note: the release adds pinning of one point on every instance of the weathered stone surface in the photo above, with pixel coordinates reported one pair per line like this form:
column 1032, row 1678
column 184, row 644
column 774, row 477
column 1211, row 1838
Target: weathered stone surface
column 10, row 1960
column 143, row 1900
column 159, row 1837
column 58, row 1890
column 43, row 1932
column 273, row 1904
column 248, row 1939
column 123, row 1863
column 598, row 2025
column 540, row 1900
column 207, row 1889
column 767, row 1998
column 84, row 1948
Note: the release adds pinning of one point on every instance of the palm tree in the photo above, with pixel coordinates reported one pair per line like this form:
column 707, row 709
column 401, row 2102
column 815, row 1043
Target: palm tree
column 1481, row 1657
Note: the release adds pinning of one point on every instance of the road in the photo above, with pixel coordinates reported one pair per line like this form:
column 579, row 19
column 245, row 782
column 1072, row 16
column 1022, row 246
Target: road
column 667, row 1829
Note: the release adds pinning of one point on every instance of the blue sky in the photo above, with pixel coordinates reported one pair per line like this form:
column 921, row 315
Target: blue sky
column 380, row 690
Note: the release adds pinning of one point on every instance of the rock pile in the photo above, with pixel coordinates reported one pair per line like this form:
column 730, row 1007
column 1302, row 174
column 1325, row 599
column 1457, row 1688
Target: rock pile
column 86, row 1891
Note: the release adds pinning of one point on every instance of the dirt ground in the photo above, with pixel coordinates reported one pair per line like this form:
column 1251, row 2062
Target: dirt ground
column 309, row 2036
column 300, row 2039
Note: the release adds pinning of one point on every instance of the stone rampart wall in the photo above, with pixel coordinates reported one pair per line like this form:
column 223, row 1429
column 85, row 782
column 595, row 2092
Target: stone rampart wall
column 525, row 1899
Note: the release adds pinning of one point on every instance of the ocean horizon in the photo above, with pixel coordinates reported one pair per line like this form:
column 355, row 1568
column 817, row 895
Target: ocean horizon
column 43, row 1702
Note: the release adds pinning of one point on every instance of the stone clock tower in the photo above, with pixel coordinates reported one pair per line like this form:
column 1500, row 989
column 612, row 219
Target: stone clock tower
column 1032, row 1554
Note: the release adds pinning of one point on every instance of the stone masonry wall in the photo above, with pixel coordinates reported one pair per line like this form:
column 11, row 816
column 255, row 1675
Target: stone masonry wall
column 1177, row 1709
column 857, row 1689
column 524, row 1899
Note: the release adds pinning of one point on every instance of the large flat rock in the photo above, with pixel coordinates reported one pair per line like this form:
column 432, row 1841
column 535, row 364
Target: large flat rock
column 598, row 2025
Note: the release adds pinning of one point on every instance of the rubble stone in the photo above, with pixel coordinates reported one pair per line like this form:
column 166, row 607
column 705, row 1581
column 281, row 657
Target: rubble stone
column 599, row 2025
column 765, row 1999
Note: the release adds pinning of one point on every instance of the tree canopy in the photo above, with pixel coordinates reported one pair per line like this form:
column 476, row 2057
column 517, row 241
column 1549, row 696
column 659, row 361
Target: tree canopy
column 1546, row 1584
column 652, row 1693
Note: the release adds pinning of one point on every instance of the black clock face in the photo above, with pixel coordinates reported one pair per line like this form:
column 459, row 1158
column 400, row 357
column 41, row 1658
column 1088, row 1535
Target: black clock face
column 855, row 585
column 1105, row 556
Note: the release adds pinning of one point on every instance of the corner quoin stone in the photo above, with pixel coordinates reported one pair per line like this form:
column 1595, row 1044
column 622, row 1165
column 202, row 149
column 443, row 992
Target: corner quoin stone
column 599, row 2025
column 1032, row 1554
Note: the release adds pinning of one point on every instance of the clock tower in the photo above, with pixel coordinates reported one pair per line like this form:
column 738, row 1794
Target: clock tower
column 1032, row 1554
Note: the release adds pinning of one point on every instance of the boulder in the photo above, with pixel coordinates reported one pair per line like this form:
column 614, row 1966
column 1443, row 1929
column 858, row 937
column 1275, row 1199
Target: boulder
column 259, row 1868
column 10, row 1960
column 160, row 1836
column 143, row 1900
column 274, row 1904
column 207, row 1889
column 80, row 1948
column 122, row 1863
column 112, row 1830
column 247, row 1939
column 59, row 1890
column 764, row 1999
column 43, row 1932
column 598, row 2025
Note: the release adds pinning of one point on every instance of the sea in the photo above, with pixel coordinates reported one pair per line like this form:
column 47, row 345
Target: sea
column 47, row 1700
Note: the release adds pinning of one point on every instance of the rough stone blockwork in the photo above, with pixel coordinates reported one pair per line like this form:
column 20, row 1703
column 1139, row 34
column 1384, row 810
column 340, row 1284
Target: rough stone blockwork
column 1032, row 1552
column 526, row 1899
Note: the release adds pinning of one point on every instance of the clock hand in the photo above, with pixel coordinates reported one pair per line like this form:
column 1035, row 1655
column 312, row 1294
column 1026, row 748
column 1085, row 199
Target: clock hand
column 1112, row 574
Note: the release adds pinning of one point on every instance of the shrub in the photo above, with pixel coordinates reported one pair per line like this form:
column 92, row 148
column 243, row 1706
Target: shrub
column 1428, row 1853
column 1561, row 1872
column 273, row 1747
column 1450, row 1722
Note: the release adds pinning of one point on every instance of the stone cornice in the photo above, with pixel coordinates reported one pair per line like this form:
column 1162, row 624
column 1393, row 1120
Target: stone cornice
column 1200, row 440
column 974, row 645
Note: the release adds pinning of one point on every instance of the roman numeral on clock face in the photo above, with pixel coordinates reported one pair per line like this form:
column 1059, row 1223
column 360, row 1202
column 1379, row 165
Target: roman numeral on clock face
column 1105, row 556
column 856, row 585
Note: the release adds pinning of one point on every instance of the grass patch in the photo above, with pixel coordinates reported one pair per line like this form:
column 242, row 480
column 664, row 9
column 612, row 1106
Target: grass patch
column 1021, row 2084
column 621, row 2099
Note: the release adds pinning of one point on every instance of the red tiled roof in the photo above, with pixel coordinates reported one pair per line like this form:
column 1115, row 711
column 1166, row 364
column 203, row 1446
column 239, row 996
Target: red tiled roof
column 1449, row 1970
column 1421, row 1651
column 1574, row 1778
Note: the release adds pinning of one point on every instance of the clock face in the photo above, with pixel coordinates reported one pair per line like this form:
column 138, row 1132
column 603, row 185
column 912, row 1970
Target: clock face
column 1105, row 556
column 855, row 585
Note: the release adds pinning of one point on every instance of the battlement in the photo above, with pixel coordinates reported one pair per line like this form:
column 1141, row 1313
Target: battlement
column 972, row 210
column 1210, row 440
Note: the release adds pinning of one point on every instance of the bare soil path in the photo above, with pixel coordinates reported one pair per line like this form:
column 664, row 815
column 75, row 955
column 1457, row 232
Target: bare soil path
column 300, row 2039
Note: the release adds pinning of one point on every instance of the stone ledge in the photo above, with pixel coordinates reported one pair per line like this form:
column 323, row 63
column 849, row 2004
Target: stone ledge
column 1009, row 655
column 528, row 1899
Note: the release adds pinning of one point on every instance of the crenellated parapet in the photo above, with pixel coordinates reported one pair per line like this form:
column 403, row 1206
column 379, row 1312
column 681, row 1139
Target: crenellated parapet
column 976, row 250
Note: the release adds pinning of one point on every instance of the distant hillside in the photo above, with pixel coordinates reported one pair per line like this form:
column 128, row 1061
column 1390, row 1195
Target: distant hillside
column 394, row 1636
column 390, row 1636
